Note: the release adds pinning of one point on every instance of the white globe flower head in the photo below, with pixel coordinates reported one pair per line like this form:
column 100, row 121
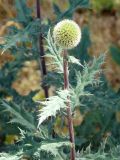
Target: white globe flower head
column 67, row 34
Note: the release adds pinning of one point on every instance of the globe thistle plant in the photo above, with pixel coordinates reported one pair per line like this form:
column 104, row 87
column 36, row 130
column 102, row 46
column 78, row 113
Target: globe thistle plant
column 67, row 34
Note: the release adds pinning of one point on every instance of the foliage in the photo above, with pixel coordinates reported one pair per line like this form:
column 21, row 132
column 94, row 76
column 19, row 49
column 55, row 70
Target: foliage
column 4, row 156
column 54, row 53
column 83, row 80
column 72, row 6
column 100, row 119
column 101, row 154
column 57, row 101
column 20, row 116
column 113, row 154
column 87, row 77
column 98, row 104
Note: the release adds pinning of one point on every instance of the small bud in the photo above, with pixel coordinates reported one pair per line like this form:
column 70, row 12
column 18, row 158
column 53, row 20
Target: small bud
column 67, row 34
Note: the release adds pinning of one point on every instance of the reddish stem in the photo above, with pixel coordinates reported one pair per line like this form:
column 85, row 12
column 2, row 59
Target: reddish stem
column 69, row 112
column 41, row 49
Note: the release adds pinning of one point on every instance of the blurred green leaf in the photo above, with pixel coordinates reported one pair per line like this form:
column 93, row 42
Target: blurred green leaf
column 75, row 4
column 23, row 12
column 57, row 10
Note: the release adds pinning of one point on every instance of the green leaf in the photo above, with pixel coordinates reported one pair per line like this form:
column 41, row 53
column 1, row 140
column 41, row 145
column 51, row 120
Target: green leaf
column 52, row 105
column 12, row 41
column 79, row 3
column 85, row 78
column 57, row 10
column 20, row 116
column 53, row 147
column 24, row 35
column 23, row 12
column 112, row 154
column 54, row 52
column 72, row 59
column 76, row 3
column 17, row 156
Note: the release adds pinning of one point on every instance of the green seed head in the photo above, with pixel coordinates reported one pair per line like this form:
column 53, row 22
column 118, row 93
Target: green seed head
column 67, row 34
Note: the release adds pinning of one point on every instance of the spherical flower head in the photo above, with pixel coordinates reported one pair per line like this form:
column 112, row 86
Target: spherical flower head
column 67, row 34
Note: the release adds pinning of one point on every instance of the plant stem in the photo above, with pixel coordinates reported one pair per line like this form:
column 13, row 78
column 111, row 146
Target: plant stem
column 41, row 49
column 69, row 112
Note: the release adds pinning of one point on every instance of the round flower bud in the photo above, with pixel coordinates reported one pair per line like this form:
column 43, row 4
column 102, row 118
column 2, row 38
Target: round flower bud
column 67, row 34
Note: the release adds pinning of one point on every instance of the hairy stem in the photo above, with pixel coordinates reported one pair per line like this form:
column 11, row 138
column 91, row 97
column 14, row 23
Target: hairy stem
column 41, row 49
column 69, row 112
